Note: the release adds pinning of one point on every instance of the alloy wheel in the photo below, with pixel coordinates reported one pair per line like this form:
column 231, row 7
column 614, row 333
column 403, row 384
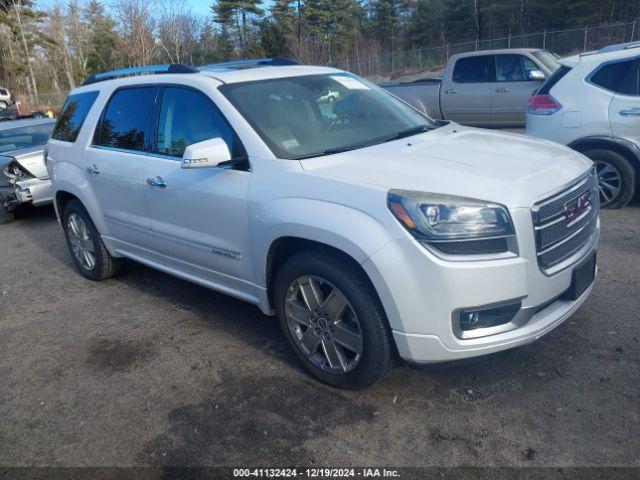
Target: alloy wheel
column 323, row 324
column 81, row 241
column 609, row 182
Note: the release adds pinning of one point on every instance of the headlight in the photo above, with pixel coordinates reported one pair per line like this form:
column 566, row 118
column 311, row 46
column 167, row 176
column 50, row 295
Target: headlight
column 454, row 225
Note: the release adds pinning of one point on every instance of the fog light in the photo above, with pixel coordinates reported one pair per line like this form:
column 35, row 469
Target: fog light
column 488, row 317
column 469, row 318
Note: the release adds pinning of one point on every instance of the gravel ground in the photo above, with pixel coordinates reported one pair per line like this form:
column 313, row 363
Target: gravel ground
column 146, row 369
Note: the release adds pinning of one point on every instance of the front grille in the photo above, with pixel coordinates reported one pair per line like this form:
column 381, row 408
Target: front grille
column 566, row 221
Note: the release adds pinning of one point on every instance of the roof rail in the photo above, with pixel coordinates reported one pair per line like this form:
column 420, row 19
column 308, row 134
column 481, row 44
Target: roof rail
column 149, row 69
column 618, row 47
column 254, row 63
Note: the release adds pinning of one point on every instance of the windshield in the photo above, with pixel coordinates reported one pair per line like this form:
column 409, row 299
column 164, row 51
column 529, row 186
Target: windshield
column 309, row 116
column 550, row 60
column 25, row 136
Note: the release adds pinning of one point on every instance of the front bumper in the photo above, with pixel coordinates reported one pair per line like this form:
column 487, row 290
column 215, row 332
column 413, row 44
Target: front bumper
column 421, row 294
column 430, row 348
column 33, row 190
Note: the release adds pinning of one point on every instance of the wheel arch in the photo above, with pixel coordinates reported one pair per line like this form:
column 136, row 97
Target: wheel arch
column 62, row 198
column 297, row 223
column 283, row 248
column 624, row 147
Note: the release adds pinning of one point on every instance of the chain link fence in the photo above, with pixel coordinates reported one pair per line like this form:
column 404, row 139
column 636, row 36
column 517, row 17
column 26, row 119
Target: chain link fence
column 42, row 101
column 432, row 60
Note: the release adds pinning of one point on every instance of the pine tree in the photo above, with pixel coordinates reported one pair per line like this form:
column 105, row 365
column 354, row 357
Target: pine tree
column 237, row 15
column 103, row 38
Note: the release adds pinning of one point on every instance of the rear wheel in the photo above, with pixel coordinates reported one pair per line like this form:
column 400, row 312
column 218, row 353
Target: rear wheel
column 6, row 215
column 616, row 177
column 89, row 254
column 333, row 319
column 3, row 104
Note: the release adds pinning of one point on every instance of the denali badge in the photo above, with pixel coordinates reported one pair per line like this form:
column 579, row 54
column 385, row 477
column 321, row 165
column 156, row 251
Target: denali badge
column 576, row 207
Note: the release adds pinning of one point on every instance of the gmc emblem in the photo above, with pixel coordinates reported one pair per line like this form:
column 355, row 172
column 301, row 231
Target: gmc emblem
column 576, row 207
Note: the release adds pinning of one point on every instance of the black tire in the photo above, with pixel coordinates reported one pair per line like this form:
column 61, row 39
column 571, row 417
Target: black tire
column 3, row 104
column 627, row 183
column 105, row 265
column 6, row 215
column 377, row 352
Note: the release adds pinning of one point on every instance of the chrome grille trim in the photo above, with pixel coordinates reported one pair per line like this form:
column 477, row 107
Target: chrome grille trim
column 561, row 239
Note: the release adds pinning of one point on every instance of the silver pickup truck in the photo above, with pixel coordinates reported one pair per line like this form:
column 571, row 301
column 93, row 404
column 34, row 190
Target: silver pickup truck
column 488, row 88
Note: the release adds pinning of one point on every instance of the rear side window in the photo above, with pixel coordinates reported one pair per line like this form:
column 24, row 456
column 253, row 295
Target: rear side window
column 553, row 79
column 126, row 121
column 619, row 77
column 474, row 69
column 188, row 117
column 3, row 92
column 74, row 112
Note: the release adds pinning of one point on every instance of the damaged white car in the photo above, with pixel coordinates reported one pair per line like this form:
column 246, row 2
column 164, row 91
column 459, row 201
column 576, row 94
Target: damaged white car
column 23, row 174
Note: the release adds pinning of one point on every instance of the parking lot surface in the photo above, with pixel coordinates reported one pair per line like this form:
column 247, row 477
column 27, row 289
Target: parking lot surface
column 147, row 369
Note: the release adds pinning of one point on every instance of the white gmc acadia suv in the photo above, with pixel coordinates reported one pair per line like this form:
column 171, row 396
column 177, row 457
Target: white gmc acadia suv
column 592, row 104
column 369, row 229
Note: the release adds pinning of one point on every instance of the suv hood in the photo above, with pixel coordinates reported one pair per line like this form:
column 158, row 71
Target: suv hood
column 501, row 167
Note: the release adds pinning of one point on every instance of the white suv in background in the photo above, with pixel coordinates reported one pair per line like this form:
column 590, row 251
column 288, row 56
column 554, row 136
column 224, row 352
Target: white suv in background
column 592, row 104
column 365, row 226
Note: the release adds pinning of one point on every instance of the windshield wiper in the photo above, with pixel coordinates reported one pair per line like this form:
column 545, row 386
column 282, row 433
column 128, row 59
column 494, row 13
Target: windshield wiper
column 331, row 151
column 409, row 132
column 396, row 136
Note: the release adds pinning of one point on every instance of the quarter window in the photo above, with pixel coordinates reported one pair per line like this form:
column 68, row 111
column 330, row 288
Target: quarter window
column 126, row 121
column 477, row 69
column 188, row 117
column 74, row 113
column 619, row 77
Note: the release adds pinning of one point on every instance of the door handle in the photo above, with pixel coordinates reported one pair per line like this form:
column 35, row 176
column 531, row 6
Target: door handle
column 157, row 182
column 503, row 90
column 452, row 91
column 93, row 169
column 630, row 112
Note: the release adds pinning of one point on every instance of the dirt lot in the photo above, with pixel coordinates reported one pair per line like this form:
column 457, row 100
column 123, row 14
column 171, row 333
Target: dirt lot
column 149, row 369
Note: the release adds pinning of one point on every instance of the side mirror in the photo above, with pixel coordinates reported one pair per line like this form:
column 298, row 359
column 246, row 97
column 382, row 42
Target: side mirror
column 207, row 154
column 537, row 75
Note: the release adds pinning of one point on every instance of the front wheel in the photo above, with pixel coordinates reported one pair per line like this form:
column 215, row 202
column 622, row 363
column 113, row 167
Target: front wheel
column 333, row 319
column 616, row 177
column 3, row 104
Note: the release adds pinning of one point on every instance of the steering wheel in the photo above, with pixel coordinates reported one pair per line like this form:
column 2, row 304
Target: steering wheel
column 338, row 121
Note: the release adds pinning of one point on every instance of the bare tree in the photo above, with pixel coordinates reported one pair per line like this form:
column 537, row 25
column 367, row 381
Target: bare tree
column 57, row 45
column 136, row 25
column 78, row 34
column 17, row 10
column 177, row 32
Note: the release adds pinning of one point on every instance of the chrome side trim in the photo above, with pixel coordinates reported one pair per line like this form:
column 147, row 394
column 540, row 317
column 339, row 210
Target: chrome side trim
column 134, row 226
column 119, row 150
column 201, row 245
column 167, row 236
